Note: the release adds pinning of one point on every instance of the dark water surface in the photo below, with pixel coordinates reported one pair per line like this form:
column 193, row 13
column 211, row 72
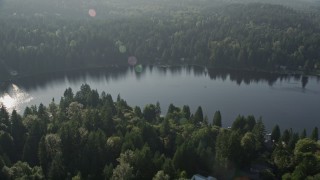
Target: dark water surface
column 290, row 101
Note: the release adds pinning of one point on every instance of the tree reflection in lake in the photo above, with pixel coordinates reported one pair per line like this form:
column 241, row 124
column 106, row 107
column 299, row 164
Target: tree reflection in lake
column 277, row 98
column 120, row 72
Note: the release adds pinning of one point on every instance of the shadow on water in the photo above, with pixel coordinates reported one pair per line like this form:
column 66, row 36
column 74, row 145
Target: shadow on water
column 304, row 81
column 246, row 77
column 117, row 73
column 43, row 80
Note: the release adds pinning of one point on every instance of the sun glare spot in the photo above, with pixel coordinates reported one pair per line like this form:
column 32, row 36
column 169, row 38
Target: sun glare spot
column 14, row 97
column 138, row 68
column 122, row 49
column 7, row 101
column 92, row 13
column 132, row 60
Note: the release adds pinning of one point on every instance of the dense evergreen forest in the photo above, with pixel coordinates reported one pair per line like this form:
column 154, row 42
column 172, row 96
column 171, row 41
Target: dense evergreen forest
column 91, row 136
column 210, row 33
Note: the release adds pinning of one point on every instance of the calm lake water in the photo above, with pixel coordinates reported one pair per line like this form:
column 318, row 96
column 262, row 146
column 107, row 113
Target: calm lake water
column 289, row 101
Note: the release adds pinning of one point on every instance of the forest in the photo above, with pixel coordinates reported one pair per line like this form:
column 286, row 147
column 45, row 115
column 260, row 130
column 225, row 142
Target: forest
column 249, row 35
column 88, row 135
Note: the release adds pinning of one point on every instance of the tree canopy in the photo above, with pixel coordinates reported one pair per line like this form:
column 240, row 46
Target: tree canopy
column 105, row 139
column 250, row 35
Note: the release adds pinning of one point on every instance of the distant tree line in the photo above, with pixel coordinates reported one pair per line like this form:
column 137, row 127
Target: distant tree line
column 252, row 35
column 88, row 135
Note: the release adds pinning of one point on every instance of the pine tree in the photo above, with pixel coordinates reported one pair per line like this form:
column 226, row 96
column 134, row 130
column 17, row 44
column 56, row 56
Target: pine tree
column 198, row 116
column 314, row 134
column 276, row 134
column 217, row 119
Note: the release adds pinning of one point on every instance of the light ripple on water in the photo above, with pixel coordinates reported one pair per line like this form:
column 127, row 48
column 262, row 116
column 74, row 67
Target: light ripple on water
column 14, row 97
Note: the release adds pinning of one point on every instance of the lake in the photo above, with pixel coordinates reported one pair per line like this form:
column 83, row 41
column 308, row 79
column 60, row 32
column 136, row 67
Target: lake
column 289, row 101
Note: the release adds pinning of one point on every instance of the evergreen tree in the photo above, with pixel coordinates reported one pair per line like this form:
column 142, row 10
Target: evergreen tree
column 217, row 119
column 259, row 133
column 303, row 134
column 30, row 149
column 158, row 108
column 314, row 134
column 57, row 169
column 285, row 136
column 18, row 133
column 137, row 111
column 5, row 124
column 276, row 134
column 186, row 111
column 198, row 116
column 149, row 112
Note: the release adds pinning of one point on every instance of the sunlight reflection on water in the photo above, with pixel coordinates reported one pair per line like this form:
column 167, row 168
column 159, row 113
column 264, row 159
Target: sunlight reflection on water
column 14, row 97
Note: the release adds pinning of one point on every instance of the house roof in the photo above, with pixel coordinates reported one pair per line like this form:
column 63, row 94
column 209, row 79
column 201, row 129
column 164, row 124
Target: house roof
column 199, row 177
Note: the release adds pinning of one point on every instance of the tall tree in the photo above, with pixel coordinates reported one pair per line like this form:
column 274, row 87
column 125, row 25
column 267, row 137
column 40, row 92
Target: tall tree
column 303, row 134
column 161, row 176
column 248, row 144
column 315, row 134
column 150, row 112
column 137, row 111
column 285, row 136
column 186, row 111
column 217, row 119
column 18, row 133
column 259, row 132
column 198, row 115
column 30, row 149
column 276, row 134
column 5, row 124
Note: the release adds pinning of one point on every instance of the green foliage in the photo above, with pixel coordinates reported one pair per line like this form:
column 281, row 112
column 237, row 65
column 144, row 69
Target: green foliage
column 217, row 35
column 124, row 170
column 57, row 168
column 185, row 158
column 161, row 176
column 137, row 111
column 217, row 119
column 186, row 111
column 198, row 116
column 306, row 146
column 111, row 140
column 86, row 96
column 293, row 140
column 107, row 171
column 30, row 148
column 282, row 158
column 7, row 145
column 244, row 124
column 22, row 170
column 259, row 131
column 266, row 175
column 286, row 176
column 229, row 150
column 248, row 144
column 303, row 134
column 5, row 124
column 150, row 113
column 315, row 134
column 18, row 132
column 276, row 134
column 286, row 136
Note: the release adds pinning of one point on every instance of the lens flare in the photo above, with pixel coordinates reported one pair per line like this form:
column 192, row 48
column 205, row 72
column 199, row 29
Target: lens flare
column 92, row 13
column 14, row 97
column 132, row 60
column 122, row 49
column 138, row 68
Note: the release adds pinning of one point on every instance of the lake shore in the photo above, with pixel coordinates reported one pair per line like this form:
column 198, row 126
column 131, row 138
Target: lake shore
column 12, row 78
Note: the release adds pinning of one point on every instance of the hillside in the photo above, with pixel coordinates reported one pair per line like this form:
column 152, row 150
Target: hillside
column 251, row 35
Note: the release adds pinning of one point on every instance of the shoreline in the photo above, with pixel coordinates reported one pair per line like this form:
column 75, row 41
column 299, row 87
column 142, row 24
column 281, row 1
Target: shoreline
column 277, row 72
